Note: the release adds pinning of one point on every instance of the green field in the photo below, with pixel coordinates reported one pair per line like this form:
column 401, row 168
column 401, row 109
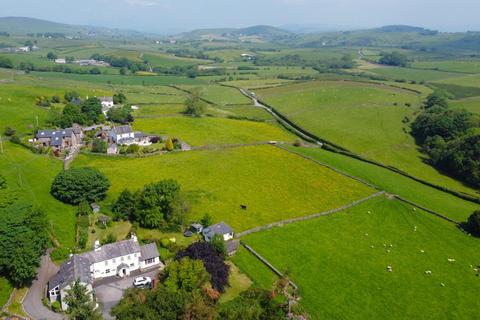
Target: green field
column 470, row 104
column 167, row 60
column 30, row 177
column 362, row 118
column 466, row 66
column 220, row 95
column 466, row 81
column 273, row 184
column 212, row 131
column 433, row 199
column 411, row 74
column 340, row 264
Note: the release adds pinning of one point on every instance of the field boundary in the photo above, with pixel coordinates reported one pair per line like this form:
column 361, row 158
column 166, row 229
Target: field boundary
column 370, row 185
column 309, row 217
column 268, row 264
column 332, row 147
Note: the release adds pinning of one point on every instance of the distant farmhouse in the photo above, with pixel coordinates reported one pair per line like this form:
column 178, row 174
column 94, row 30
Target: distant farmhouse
column 124, row 135
column 59, row 139
column 92, row 62
column 61, row 61
column 107, row 104
column 116, row 259
column 226, row 232
column 247, row 56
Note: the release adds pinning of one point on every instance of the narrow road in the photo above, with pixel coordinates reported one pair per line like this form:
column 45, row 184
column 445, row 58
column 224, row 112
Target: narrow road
column 32, row 304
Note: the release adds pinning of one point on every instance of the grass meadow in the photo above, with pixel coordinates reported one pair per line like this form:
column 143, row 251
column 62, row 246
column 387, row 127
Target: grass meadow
column 221, row 95
column 340, row 264
column 398, row 73
column 362, row 118
column 444, row 203
column 213, row 131
column 30, row 177
column 466, row 66
column 469, row 104
column 273, row 184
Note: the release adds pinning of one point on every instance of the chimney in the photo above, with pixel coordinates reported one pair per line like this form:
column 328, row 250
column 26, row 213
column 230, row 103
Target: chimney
column 133, row 237
column 97, row 246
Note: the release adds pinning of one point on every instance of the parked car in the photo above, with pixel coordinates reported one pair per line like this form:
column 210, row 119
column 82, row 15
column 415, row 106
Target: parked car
column 142, row 282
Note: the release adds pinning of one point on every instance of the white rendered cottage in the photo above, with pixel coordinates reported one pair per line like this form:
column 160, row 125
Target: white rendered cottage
column 221, row 229
column 115, row 259
column 122, row 135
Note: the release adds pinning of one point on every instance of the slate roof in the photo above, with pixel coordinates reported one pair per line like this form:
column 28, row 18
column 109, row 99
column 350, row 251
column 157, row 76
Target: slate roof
column 62, row 133
column 106, row 99
column 122, row 129
column 219, row 228
column 113, row 250
column 149, row 251
column 77, row 267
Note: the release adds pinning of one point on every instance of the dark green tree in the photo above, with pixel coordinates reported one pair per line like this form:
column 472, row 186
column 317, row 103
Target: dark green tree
column 71, row 114
column 393, row 59
column 80, row 303
column 119, row 98
column 218, row 244
column 79, row 184
column 23, row 239
column 92, row 109
column 99, row 145
column 124, row 207
column 436, row 98
column 121, row 115
column 51, row 56
column 70, row 95
column 194, row 104
column 473, row 223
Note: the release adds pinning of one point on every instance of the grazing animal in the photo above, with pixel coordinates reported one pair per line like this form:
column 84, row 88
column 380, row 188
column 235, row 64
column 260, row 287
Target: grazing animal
column 428, row 272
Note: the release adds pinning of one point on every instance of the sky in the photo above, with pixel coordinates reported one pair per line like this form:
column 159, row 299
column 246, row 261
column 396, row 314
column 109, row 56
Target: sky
column 169, row 16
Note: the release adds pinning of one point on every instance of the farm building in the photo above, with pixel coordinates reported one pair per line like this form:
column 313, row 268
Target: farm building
column 221, row 229
column 124, row 135
column 115, row 259
column 59, row 139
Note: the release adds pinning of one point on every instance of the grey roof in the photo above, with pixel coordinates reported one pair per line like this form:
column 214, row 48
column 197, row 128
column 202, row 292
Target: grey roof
column 219, row 228
column 52, row 134
column 76, row 268
column 95, row 205
column 231, row 246
column 106, row 99
column 122, row 129
column 113, row 250
column 149, row 251
column 138, row 135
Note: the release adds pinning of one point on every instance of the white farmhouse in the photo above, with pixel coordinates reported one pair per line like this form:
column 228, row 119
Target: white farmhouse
column 107, row 102
column 115, row 259
column 221, row 229
column 122, row 135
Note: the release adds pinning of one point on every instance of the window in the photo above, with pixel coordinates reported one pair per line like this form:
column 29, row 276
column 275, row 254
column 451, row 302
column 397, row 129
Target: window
column 131, row 264
column 150, row 261
column 107, row 271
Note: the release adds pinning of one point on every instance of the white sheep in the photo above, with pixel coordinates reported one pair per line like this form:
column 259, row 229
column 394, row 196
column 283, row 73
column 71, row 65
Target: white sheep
column 428, row 272
column 451, row 260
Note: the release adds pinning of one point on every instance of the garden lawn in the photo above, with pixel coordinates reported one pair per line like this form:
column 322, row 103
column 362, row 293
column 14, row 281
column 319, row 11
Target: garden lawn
column 30, row 176
column 213, row 131
column 362, row 118
column 273, row 184
column 5, row 291
column 433, row 199
column 340, row 264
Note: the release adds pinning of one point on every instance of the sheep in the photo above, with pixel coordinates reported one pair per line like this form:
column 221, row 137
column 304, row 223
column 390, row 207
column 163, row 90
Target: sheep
column 422, row 251
column 442, row 284
column 451, row 260
column 389, row 268
column 428, row 272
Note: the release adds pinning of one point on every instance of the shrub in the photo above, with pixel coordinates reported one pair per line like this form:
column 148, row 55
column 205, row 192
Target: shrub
column 9, row 131
column 56, row 306
column 99, row 146
column 55, row 99
column 169, row 145
column 59, row 254
column 473, row 223
column 133, row 148
column 79, row 184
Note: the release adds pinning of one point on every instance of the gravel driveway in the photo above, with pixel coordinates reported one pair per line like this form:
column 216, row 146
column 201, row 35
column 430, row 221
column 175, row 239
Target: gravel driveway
column 110, row 291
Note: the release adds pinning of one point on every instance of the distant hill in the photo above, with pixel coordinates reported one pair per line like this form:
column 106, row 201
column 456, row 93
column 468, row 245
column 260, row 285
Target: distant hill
column 255, row 32
column 23, row 26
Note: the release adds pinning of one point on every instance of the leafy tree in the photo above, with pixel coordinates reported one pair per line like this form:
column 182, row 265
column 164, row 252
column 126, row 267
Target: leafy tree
column 80, row 303
column 123, row 71
column 169, row 145
column 95, row 70
column 92, row 109
column 51, row 56
column 157, row 202
column 194, row 104
column 6, row 63
column 394, row 59
column 119, row 98
column 207, row 220
column 9, row 131
column 84, row 208
column 71, row 114
column 42, row 101
column 213, row 261
column 124, row 207
column 473, row 223
column 436, row 98
column 185, row 275
column 23, row 239
column 218, row 244
column 70, row 95
column 99, row 145
column 55, row 99
column 121, row 115
column 254, row 304
column 133, row 148
column 79, row 184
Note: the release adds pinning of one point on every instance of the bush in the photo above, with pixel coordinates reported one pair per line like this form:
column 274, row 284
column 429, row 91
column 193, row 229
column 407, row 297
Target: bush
column 473, row 224
column 111, row 238
column 99, row 146
column 56, row 306
column 59, row 254
column 9, row 131
column 169, row 145
column 133, row 148
column 55, row 99
column 79, row 184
